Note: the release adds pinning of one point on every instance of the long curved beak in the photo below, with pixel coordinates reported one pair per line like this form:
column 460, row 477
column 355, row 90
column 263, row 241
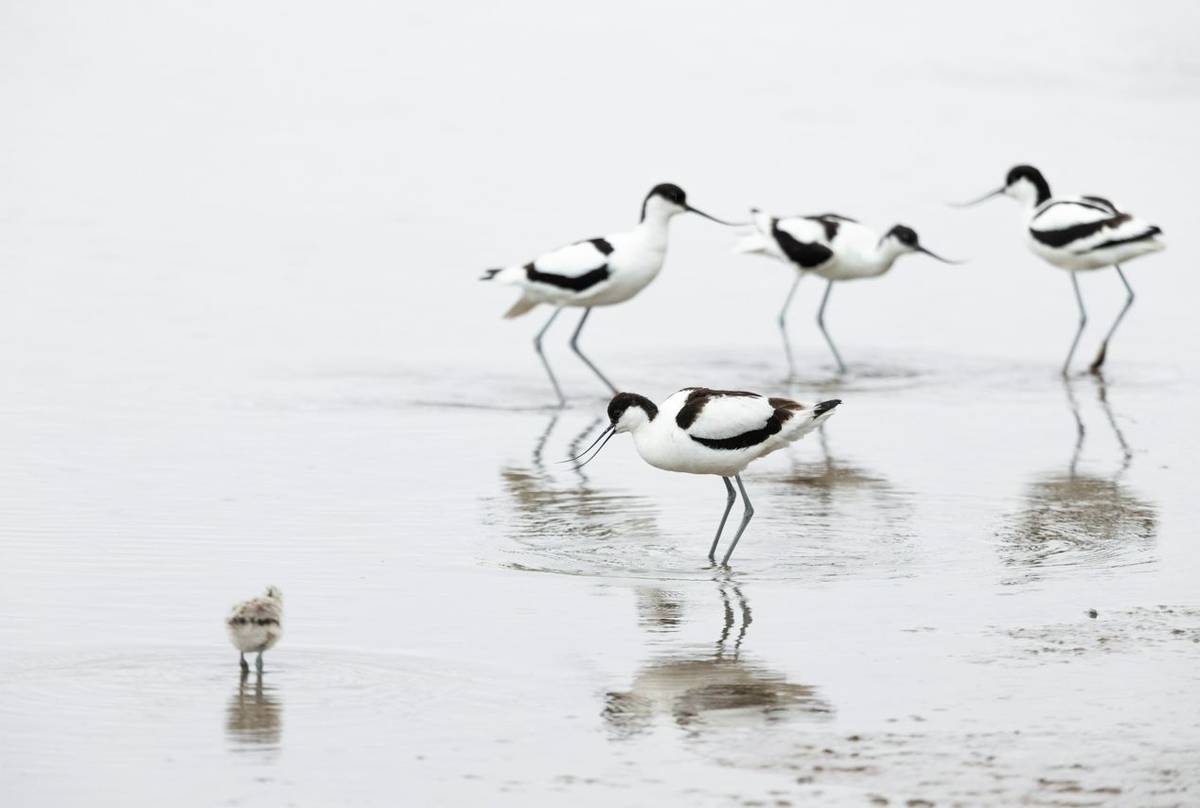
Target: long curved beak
column 984, row 198
column 607, row 433
column 932, row 254
column 699, row 212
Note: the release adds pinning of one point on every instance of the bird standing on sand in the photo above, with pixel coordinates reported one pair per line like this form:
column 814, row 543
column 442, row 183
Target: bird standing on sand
column 597, row 272
column 835, row 247
column 720, row 432
column 256, row 625
column 1078, row 233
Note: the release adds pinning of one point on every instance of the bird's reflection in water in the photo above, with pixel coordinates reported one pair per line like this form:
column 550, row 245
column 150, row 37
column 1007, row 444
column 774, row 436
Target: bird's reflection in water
column 843, row 517
column 252, row 719
column 551, row 508
column 825, row 478
column 1078, row 518
column 707, row 691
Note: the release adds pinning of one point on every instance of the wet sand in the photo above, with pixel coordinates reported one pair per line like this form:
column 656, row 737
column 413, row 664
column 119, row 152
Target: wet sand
column 243, row 344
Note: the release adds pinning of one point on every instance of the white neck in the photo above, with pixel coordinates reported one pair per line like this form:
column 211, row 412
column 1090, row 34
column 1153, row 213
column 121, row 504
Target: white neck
column 655, row 227
column 886, row 255
column 1024, row 192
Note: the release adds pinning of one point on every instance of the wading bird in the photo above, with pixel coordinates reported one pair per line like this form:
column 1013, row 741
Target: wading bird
column 597, row 272
column 834, row 247
column 719, row 432
column 256, row 625
column 1078, row 233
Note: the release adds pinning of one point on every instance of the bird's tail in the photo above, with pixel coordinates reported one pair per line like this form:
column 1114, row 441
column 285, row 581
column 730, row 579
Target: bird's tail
column 522, row 306
column 506, row 275
column 511, row 276
column 752, row 244
column 754, row 239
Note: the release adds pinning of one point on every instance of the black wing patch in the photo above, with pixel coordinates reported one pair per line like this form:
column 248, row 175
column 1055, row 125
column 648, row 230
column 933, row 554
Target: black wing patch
column 830, row 222
column 784, row 408
column 805, row 254
column 602, row 245
column 697, row 398
column 1099, row 200
column 1065, row 235
column 577, row 283
column 1117, row 242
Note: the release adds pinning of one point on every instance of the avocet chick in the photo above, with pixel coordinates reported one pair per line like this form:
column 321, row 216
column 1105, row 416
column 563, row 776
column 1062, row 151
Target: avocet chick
column 256, row 625
column 719, row 432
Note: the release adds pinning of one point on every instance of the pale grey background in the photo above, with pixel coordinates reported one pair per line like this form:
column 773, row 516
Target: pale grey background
column 242, row 343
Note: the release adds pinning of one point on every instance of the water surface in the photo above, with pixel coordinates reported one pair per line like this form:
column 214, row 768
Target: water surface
column 243, row 344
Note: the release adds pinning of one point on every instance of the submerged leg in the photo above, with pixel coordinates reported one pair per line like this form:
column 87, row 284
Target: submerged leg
column 242, row 657
column 537, row 346
column 258, row 662
column 745, row 521
column 1082, row 322
column 712, row 551
column 821, row 325
column 787, row 345
column 1099, row 360
column 579, row 353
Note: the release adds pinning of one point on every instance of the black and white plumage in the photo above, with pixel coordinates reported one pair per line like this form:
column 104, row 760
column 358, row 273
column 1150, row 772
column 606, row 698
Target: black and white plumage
column 703, row 431
column 255, row 625
column 1078, row 233
column 597, row 272
column 835, row 247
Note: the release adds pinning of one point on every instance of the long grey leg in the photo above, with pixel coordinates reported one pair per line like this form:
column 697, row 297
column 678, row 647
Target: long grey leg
column 745, row 521
column 579, row 353
column 1082, row 322
column 1099, row 361
column 258, row 662
column 537, row 346
column 245, row 668
column 712, row 551
column 821, row 325
column 787, row 345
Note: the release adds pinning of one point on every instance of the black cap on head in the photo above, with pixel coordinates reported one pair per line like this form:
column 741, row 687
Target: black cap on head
column 1024, row 172
column 623, row 401
column 670, row 192
column 904, row 234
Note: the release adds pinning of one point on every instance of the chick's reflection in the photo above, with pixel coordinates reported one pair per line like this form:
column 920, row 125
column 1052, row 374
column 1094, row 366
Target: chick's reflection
column 252, row 717
column 705, row 692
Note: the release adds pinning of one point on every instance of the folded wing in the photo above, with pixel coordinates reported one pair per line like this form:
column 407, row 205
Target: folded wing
column 731, row 419
column 1086, row 224
column 575, row 268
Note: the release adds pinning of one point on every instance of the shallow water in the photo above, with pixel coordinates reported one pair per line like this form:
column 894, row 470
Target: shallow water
column 242, row 344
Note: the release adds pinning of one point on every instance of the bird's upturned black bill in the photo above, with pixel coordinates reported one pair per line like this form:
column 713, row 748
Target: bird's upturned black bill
column 607, row 432
column 699, row 212
column 612, row 430
column 984, row 198
column 932, row 254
